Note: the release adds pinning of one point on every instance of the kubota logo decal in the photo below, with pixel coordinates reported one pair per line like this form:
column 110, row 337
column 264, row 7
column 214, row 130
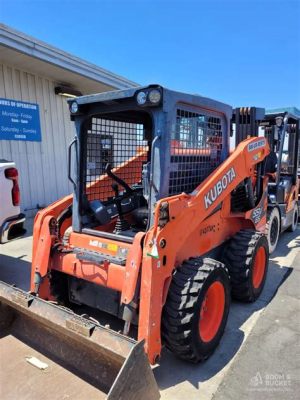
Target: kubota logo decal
column 221, row 185
column 256, row 145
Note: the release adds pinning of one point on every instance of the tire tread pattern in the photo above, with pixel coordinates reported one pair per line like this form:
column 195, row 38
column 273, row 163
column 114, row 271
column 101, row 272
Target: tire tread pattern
column 178, row 311
column 238, row 256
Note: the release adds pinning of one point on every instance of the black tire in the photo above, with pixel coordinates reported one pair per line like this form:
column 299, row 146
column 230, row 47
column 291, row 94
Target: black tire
column 293, row 227
column 181, row 314
column 273, row 228
column 240, row 257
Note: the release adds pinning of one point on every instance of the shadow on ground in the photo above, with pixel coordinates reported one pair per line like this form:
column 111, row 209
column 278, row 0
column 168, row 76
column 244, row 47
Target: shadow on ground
column 15, row 271
column 172, row 371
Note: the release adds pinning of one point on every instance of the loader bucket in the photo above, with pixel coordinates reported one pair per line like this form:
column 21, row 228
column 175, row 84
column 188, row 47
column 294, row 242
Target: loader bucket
column 111, row 362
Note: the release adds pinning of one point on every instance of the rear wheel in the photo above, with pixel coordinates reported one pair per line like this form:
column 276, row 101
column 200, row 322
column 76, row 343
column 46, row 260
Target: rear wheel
column 293, row 227
column 247, row 257
column 273, row 228
column 196, row 310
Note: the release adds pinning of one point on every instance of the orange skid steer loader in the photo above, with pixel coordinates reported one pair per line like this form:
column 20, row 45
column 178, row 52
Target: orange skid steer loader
column 164, row 224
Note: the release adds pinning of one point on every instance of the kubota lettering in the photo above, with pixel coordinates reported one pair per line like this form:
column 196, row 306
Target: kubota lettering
column 219, row 187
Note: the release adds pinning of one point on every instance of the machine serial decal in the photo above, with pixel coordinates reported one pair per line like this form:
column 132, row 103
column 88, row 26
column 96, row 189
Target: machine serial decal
column 96, row 243
column 256, row 145
column 219, row 187
column 108, row 246
column 207, row 229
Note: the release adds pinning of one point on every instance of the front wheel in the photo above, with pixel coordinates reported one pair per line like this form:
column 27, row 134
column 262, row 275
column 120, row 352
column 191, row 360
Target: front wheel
column 196, row 310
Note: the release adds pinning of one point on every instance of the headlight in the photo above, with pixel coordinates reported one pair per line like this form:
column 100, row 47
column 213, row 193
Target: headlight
column 141, row 98
column 154, row 96
column 74, row 107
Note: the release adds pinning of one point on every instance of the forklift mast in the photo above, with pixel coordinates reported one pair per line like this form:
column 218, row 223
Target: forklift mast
column 247, row 121
column 282, row 129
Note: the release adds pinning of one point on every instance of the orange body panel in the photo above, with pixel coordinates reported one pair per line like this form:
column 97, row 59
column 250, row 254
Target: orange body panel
column 105, row 246
column 106, row 274
column 132, row 268
column 40, row 252
column 41, row 233
column 189, row 215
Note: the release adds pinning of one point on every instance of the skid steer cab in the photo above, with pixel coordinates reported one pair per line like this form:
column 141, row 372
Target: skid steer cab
column 163, row 225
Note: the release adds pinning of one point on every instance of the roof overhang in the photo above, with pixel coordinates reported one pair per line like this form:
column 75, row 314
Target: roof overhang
column 294, row 112
column 34, row 56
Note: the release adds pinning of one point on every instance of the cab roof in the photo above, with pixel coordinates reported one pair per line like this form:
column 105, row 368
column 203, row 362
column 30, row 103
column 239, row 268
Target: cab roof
column 170, row 96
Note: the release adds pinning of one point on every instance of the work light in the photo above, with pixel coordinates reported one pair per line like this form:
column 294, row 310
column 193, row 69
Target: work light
column 74, row 107
column 141, row 98
column 154, row 96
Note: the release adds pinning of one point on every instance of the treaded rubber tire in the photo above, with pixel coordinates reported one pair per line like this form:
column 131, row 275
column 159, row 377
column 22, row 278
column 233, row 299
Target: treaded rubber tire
column 181, row 313
column 239, row 257
column 293, row 227
column 273, row 214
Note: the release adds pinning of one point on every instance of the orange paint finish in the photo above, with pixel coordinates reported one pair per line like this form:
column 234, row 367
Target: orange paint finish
column 132, row 268
column 107, row 274
column 53, row 210
column 190, row 215
column 198, row 223
column 44, row 244
column 259, row 267
column 44, row 291
column 212, row 311
column 42, row 239
column 151, row 300
column 64, row 226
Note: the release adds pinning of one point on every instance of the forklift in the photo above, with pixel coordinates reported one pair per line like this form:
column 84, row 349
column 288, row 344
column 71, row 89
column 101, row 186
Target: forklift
column 281, row 128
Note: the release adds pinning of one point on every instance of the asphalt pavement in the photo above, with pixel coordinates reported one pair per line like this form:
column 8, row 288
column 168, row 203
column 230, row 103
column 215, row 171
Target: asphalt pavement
column 258, row 353
column 268, row 365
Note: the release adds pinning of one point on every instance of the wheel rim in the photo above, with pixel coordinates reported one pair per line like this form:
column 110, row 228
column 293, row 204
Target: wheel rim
column 274, row 231
column 212, row 310
column 259, row 267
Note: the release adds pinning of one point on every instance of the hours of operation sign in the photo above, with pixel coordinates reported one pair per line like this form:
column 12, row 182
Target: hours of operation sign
column 19, row 120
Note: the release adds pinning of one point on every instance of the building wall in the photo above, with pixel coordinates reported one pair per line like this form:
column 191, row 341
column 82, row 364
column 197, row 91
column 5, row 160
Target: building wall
column 42, row 165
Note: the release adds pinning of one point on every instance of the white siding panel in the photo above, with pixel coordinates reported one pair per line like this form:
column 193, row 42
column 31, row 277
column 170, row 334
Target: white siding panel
column 42, row 165
column 37, row 176
column 5, row 147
